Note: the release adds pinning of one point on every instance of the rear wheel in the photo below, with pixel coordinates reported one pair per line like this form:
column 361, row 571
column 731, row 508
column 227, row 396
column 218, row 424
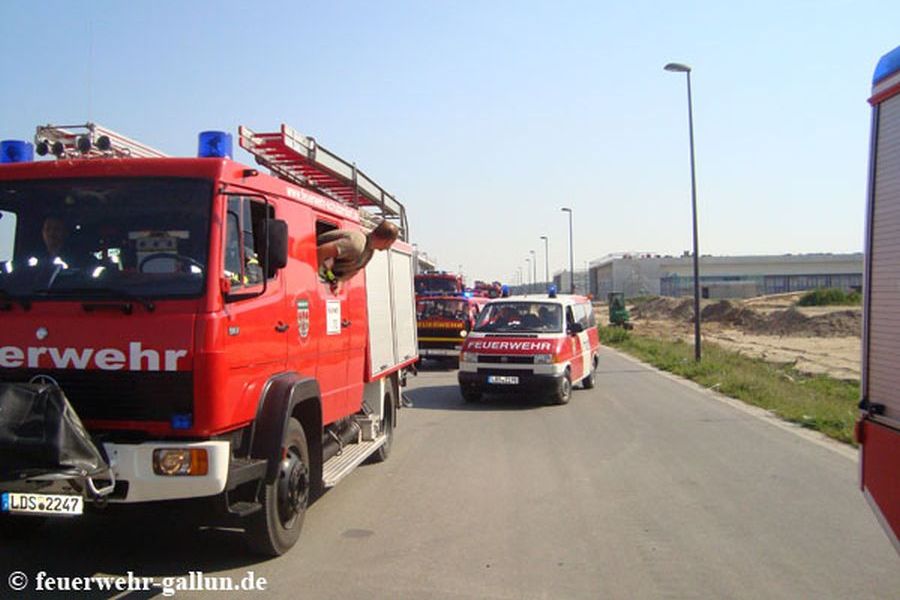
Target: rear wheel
column 563, row 392
column 387, row 428
column 273, row 530
column 589, row 381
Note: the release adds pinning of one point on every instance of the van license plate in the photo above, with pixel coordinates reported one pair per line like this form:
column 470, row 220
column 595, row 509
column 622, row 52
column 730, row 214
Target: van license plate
column 503, row 379
column 41, row 504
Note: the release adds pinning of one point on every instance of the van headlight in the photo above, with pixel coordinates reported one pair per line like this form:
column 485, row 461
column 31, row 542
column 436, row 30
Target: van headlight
column 543, row 359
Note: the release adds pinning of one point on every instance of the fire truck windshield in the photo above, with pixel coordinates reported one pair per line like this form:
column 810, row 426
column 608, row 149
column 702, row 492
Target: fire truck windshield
column 520, row 317
column 441, row 308
column 432, row 285
column 143, row 237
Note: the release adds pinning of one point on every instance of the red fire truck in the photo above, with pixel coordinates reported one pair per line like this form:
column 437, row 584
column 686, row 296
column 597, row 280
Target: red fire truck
column 878, row 430
column 439, row 282
column 178, row 305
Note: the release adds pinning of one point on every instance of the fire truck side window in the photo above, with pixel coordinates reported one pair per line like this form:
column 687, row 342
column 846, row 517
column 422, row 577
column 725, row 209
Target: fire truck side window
column 7, row 235
column 245, row 234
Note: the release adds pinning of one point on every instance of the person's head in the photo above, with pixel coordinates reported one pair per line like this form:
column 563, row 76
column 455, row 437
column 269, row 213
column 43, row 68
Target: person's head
column 383, row 236
column 54, row 232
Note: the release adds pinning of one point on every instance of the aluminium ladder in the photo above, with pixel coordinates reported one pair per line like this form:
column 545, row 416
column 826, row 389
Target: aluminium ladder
column 299, row 159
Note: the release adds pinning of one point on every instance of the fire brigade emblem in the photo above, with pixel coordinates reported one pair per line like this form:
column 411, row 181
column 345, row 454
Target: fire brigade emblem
column 303, row 317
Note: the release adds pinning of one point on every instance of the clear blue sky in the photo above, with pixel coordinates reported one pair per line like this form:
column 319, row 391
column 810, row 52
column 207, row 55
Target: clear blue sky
column 486, row 117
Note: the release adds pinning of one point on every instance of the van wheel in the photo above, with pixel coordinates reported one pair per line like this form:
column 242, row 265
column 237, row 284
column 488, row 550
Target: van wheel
column 20, row 528
column 563, row 389
column 273, row 530
column 387, row 428
column 589, row 381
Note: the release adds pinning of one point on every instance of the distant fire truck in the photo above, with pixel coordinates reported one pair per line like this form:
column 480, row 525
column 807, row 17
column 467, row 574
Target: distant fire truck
column 443, row 322
column 184, row 318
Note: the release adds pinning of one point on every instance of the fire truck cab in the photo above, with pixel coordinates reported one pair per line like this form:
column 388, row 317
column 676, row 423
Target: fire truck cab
column 531, row 343
column 198, row 351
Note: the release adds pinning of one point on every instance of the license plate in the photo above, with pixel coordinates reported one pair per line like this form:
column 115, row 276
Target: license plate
column 503, row 379
column 41, row 504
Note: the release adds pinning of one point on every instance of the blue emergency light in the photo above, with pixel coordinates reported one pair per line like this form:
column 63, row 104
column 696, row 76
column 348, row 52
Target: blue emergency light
column 551, row 290
column 182, row 421
column 15, row 151
column 887, row 66
column 214, row 144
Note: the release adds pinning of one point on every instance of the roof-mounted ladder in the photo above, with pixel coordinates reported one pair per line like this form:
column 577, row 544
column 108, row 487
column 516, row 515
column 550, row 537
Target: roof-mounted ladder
column 89, row 141
column 301, row 160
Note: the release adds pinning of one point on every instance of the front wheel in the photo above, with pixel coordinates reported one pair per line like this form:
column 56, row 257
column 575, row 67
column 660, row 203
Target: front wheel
column 273, row 530
column 563, row 392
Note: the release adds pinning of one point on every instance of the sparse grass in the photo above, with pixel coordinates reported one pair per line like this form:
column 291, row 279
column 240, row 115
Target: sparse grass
column 830, row 297
column 817, row 402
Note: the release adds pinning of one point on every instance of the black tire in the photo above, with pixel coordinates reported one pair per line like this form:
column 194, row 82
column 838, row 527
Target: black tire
column 589, row 380
column 275, row 529
column 20, row 528
column 470, row 395
column 563, row 392
column 390, row 414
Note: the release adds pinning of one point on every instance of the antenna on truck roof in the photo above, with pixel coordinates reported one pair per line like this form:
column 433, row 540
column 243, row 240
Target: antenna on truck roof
column 301, row 160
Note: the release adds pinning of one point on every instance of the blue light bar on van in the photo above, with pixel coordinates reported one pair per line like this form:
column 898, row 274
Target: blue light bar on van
column 887, row 66
column 214, row 144
column 16, row 151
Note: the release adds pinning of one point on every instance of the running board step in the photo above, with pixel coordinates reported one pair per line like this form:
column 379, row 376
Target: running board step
column 338, row 467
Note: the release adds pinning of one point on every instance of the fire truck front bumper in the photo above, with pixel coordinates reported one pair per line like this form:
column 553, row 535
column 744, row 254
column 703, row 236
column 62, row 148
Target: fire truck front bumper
column 152, row 471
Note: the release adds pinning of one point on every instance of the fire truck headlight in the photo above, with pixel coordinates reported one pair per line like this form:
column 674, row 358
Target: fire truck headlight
column 468, row 357
column 180, row 461
column 543, row 359
column 463, row 333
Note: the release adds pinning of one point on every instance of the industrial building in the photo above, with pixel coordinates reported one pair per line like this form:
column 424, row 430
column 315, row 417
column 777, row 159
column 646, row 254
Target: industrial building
column 644, row 273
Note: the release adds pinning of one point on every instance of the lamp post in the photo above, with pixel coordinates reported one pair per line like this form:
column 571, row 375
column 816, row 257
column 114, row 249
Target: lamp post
column 571, row 254
column 679, row 68
column 533, row 267
column 528, row 274
column 546, row 258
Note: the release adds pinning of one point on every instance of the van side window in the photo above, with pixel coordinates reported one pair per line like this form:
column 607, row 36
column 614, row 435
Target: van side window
column 245, row 233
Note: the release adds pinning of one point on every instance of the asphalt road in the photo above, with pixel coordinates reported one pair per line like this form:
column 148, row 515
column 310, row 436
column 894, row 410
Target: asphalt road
column 644, row 487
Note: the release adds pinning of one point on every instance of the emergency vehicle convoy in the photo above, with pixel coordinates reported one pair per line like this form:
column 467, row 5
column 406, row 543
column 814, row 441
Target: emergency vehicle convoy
column 878, row 429
column 531, row 343
column 177, row 304
column 439, row 282
column 443, row 322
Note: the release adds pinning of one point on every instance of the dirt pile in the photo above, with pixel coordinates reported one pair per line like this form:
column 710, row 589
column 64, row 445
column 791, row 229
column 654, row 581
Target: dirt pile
column 740, row 316
column 665, row 308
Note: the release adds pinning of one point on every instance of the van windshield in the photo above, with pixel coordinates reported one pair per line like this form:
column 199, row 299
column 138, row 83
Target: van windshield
column 520, row 317
column 73, row 238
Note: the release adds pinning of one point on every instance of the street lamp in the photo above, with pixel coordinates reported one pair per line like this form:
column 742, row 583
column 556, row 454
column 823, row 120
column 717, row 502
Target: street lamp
column 679, row 68
column 546, row 258
column 571, row 254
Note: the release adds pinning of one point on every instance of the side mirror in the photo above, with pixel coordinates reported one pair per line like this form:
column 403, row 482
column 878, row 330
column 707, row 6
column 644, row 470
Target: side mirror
column 277, row 246
column 576, row 328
